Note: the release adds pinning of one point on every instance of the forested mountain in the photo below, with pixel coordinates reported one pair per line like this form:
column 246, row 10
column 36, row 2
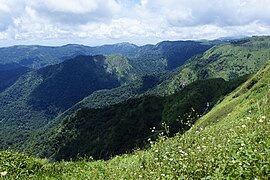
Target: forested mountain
column 39, row 100
column 105, row 132
column 38, row 96
column 228, row 60
column 163, row 56
column 231, row 141
column 10, row 73
column 249, row 54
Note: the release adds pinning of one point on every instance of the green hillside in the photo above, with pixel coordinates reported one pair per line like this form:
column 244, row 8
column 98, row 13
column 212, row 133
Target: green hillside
column 229, row 142
column 9, row 74
column 166, row 55
column 38, row 96
column 228, row 60
column 120, row 128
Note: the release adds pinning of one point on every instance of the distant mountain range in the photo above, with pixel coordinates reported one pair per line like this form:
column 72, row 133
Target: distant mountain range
column 167, row 54
column 60, row 90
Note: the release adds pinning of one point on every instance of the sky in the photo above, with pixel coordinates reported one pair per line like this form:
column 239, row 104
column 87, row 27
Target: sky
column 97, row 22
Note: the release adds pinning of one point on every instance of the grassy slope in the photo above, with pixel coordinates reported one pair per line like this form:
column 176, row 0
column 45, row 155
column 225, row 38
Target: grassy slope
column 232, row 140
column 228, row 60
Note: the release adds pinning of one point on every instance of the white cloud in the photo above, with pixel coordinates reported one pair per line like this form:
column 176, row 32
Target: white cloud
column 145, row 21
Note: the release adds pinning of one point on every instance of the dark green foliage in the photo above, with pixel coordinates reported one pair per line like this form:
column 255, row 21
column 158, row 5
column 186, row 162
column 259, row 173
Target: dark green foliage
column 120, row 128
column 227, row 60
column 65, row 84
column 178, row 52
column 166, row 55
column 105, row 132
column 195, row 100
column 39, row 96
column 229, row 142
column 9, row 74
column 106, row 97
column 148, row 82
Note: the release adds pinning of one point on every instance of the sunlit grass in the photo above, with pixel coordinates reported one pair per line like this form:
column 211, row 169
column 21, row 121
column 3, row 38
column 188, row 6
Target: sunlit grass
column 230, row 142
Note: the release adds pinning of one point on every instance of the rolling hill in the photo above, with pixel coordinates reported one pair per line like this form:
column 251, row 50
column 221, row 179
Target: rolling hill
column 62, row 78
column 230, row 142
column 221, row 61
column 228, row 60
column 34, row 101
column 146, row 59
column 105, row 132
column 38, row 96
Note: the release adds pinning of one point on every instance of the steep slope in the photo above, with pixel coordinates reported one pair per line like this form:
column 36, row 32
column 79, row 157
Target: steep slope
column 229, row 60
column 221, row 61
column 67, row 83
column 39, row 96
column 9, row 74
column 120, row 128
column 229, row 142
column 166, row 55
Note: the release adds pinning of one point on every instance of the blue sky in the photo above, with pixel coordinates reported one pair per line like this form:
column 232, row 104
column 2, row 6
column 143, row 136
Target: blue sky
column 96, row 22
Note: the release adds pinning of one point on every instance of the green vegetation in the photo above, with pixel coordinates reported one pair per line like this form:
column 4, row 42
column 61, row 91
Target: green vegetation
column 228, row 60
column 229, row 142
column 173, row 52
column 231, row 54
column 41, row 99
column 108, row 131
column 30, row 101
column 166, row 55
column 9, row 74
column 67, row 83
column 38, row 96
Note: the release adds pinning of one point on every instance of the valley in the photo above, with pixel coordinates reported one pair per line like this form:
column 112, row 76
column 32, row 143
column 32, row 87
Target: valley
column 131, row 111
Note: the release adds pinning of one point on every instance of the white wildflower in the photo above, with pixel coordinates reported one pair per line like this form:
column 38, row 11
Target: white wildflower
column 248, row 118
column 244, row 126
column 3, row 173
